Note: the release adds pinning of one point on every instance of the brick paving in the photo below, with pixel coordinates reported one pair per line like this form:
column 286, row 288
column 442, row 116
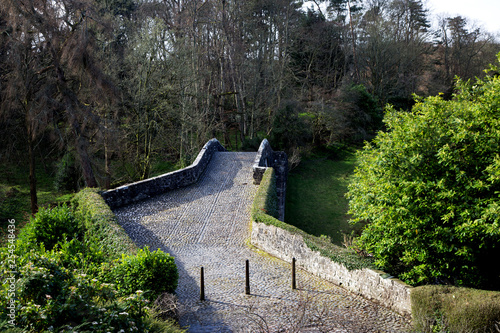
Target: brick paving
column 208, row 224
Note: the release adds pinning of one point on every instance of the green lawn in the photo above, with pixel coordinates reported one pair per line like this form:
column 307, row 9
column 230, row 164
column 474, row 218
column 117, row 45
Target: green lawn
column 315, row 200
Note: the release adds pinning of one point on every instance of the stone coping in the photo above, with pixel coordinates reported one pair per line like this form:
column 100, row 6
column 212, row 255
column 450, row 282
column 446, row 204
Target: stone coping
column 147, row 188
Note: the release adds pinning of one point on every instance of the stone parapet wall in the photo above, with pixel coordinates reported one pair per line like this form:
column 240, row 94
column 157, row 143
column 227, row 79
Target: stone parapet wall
column 371, row 284
column 268, row 158
column 263, row 160
column 147, row 188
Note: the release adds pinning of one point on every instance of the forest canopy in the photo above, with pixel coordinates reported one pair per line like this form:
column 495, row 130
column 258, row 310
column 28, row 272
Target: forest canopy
column 101, row 90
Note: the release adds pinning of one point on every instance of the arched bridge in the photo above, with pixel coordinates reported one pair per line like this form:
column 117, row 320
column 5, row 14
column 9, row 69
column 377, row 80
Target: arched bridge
column 201, row 216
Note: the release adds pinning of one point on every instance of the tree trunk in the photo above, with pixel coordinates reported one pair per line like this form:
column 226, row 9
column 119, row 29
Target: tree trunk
column 81, row 149
column 355, row 58
column 107, row 180
column 88, row 173
column 32, row 178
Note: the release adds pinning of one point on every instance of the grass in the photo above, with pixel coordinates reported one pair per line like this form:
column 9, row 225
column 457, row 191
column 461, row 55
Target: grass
column 264, row 210
column 15, row 193
column 452, row 309
column 315, row 200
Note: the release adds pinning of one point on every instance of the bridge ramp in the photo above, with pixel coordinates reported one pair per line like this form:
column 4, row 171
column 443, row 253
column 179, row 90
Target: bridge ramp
column 208, row 224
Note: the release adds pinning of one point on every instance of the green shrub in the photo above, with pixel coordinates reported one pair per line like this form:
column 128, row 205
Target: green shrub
column 428, row 188
column 152, row 272
column 48, row 227
column 453, row 309
column 80, row 255
column 51, row 295
column 265, row 210
column 60, row 289
column 101, row 228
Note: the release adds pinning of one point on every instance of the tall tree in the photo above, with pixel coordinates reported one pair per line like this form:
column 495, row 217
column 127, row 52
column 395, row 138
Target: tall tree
column 394, row 42
column 60, row 81
column 465, row 50
column 317, row 56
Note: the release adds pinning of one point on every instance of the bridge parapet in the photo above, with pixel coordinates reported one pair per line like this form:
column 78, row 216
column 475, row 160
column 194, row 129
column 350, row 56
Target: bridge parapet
column 147, row 188
column 268, row 158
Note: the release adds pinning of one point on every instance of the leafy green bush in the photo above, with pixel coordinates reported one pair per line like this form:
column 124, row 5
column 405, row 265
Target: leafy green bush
column 452, row 309
column 154, row 272
column 101, row 228
column 265, row 210
column 429, row 190
column 48, row 227
column 60, row 288
column 48, row 294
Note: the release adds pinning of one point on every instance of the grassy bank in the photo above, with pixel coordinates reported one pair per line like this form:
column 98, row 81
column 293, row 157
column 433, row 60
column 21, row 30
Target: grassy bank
column 265, row 210
column 315, row 199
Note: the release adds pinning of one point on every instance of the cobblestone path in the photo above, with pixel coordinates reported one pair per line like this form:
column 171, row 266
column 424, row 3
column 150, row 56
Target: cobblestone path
column 207, row 224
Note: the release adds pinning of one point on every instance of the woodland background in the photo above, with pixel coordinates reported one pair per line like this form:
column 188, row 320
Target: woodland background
column 104, row 92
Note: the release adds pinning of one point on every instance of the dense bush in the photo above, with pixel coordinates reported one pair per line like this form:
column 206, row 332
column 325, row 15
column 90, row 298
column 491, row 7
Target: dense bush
column 265, row 210
column 152, row 271
column 57, row 282
column 290, row 128
column 429, row 190
column 49, row 227
column 49, row 295
column 452, row 309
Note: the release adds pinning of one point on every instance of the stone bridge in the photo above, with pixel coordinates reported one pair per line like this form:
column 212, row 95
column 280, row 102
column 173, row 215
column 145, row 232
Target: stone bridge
column 201, row 216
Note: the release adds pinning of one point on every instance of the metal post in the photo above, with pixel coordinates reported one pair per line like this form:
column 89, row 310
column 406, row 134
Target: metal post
column 247, row 279
column 202, row 285
column 294, row 285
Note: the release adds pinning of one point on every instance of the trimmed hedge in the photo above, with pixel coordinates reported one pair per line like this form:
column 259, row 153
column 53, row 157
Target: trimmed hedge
column 265, row 210
column 100, row 224
column 454, row 309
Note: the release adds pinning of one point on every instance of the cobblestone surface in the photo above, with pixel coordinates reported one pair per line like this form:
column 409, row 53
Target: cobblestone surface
column 207, row 224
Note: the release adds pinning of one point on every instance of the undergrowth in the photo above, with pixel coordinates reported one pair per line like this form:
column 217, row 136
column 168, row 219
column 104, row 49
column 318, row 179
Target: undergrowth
column 73, row 268
column 442, row 309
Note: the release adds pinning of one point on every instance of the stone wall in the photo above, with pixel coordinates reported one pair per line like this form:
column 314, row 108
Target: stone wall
column 374, row 285
column 147, row 188
column 267, row 157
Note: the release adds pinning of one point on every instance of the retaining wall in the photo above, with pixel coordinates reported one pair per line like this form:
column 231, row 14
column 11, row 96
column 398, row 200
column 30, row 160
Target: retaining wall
column 371, row 284
column 147, row 188
column 267, row 157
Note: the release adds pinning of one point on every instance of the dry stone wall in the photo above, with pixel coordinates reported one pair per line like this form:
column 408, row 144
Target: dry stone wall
column 147, row 188
column 370, row 284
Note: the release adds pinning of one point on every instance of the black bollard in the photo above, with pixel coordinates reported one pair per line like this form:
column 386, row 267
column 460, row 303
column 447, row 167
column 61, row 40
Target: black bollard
column 294, row 285
column 202, row 285
column 247, row 279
